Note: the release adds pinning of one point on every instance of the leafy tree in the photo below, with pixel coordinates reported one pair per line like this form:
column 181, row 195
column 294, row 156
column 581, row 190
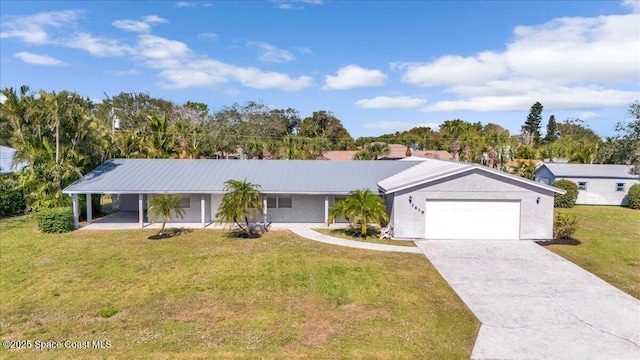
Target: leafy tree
column 454, row 130
column 241, row 200
column 162, row 206
column 532, row 124
column 372, row 151
column 629, row 137
column 361, row 206
column 323, row 124
column 552, row 130
column 504, row 154
column 634, row 196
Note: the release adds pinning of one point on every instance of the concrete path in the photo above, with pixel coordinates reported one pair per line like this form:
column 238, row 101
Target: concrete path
column 534, row 304
column 310, row 234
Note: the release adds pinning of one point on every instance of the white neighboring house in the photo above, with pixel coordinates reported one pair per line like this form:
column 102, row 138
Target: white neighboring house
column 598, row 184
column 6, row 160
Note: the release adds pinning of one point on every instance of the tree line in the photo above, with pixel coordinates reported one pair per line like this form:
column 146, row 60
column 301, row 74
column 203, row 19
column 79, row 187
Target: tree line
column 63, row 135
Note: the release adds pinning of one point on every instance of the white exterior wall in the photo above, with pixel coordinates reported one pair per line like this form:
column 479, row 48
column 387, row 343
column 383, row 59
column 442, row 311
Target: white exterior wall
column 129, row 202
column 536, row 219
column 304, row 209
column 191, row 214
column 603, row 191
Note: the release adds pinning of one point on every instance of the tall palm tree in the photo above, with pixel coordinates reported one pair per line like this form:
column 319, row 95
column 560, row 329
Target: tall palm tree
column 162, row 206
column 361, row 206
column 242, row 199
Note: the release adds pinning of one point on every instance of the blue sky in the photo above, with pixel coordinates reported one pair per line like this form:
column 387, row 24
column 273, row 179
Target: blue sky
column 379, row 66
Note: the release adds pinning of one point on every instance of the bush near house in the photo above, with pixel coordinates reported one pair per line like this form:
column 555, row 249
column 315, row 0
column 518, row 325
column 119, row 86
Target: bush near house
column 634, row 197
column 55, row 221
column 564, row 225
column 11, row 199
column 568, row 200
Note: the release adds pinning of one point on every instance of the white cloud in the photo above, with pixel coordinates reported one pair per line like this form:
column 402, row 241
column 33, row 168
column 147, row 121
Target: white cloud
column 188, row 4
column 208, row 36
column 130, row 72
column 385, row 102
column 154, row 19
column 586, row 115
column 634, row 5
column 96, row 46
column 352, row 76
column 35, row 29
column 271, row 54
column 304, row 50
column 398, row 125
column 566, row 63
column 291, row 4
column 131, row 25
column 139, row 26
column 35, row 59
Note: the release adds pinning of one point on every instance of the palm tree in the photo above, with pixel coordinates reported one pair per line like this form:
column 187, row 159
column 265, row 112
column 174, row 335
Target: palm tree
column 360, row 205
column 162, row 206
column 242, row 199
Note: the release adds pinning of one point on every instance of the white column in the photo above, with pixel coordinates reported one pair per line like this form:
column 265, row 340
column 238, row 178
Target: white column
column 213, row 211
column 202, row 209
column 76, row 211
column 89, row 209
column 264, row 211
column 326, row 209
column 141, row 210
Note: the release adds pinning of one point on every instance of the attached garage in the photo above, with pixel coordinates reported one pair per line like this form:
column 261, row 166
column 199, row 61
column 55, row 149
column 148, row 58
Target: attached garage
column 468, row 220
column 459, row 201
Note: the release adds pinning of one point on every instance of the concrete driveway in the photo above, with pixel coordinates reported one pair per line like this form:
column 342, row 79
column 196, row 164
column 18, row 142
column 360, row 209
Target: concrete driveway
column 534, row 304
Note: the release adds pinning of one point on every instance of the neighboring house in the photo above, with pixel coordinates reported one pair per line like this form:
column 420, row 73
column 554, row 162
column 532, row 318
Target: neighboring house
column 7, row 155
column 598, row 184
column 426, row 199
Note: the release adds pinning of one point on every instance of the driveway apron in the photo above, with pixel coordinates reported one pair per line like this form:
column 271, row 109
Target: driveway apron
column 533, row 304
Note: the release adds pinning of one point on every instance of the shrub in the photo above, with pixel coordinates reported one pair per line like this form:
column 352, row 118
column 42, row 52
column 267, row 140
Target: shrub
column 564, row 225
column 634, row 197
column 568, row 200
column 11, row 199
column 55, row 221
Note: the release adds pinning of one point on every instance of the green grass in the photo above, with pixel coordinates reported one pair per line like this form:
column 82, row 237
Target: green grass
column 610, row 245
column 203, row 294
column 371, row 238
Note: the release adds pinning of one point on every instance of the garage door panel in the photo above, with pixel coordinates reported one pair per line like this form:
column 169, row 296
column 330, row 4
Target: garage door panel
column 448, row 219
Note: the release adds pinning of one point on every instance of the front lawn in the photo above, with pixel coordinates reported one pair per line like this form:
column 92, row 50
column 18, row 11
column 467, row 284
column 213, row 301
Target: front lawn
column 609, row 245
column 203, row 294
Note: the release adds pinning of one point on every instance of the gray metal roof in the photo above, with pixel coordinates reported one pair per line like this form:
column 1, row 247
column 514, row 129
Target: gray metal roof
column 6, row 160
column 591, row 171
column 122, row 176
column 434, row 169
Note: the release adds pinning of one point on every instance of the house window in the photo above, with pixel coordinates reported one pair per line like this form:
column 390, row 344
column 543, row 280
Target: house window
column 582, row 185
column 279, row 202
column 185, row 202
column 619, row 186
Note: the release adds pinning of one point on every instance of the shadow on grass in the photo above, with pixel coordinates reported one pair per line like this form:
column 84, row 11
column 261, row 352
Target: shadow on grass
column 173, row 232
column 568, row 241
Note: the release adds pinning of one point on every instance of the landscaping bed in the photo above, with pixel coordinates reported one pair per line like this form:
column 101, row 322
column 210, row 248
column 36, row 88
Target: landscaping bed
column 372, row 237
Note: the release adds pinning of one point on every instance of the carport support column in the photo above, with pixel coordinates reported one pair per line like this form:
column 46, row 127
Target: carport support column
column 264, row 211
column 326, row 209
column 89, row 209
column 76, row 211
column 141, row 210
column 202, row 210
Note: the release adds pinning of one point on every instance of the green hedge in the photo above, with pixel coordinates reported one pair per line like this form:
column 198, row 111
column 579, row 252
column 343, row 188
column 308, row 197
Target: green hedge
column 568, row 200
column 634, row 197
column 564, row 225
column 11, row 199
column 55, row 221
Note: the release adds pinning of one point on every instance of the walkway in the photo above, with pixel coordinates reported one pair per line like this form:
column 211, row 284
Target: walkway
column 307, row 232
column 534, row 304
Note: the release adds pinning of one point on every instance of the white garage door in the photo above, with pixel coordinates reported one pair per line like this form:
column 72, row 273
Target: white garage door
column 481, row 220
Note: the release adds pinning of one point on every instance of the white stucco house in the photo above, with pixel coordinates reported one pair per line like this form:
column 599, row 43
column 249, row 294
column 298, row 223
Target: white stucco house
column 425, row 199
column 598, row 184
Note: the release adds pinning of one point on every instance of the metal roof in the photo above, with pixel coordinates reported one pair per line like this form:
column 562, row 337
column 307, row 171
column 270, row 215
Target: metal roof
column 6, row 160
column 122, row 176
column 435, row 169
column 591, row 171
